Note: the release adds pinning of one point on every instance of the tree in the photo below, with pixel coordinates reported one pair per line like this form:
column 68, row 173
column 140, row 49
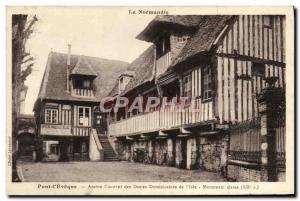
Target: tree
column 22, row 64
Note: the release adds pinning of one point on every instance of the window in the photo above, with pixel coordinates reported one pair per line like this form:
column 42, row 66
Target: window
column 82, row 84
column 258, row 69
column 51, row 116
column 268, row 22
column 53, row 149
column 163, row 45
column 80, row 147
column 83, row 116
column 86, row 84
column 99, row 118
column 207, row 83
column 84, row 147
column 187, row 85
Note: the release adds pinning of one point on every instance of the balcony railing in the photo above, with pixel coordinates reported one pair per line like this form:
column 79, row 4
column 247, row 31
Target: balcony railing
column 163, row 120
column 82, row 92
column 163, row 63
column 81, row 131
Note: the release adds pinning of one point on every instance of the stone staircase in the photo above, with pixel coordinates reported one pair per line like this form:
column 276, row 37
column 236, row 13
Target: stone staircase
column 109, row 154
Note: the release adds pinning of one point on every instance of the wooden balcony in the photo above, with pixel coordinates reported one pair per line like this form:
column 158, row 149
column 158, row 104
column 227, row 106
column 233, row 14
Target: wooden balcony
column 163, row 120
column 82, row 92
column 162, row 63
column 82, row 131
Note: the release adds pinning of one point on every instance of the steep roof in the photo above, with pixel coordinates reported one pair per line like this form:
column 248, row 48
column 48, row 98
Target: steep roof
column 209, row 28
column 115, row 89
column 144, row 65
column 144, row 73
column 83, row 67
column 165, row 22
column 54, row 83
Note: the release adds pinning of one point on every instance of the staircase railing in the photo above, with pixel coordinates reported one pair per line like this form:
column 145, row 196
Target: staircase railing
column 99, row 154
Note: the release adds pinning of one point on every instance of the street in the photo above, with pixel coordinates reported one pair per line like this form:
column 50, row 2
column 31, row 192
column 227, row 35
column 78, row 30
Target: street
column 111, row 172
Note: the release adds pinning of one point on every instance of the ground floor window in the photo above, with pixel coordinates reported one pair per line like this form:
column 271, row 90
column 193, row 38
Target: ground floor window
column 53, row 149
column 80, row 146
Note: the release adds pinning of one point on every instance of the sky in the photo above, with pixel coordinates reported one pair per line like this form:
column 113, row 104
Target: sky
column 105, row 33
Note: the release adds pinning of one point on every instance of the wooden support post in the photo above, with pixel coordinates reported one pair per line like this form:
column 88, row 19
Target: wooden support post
column 180, row 95
column 170, row 149
column 160, row 90
column 271, row 105
column 126, row 112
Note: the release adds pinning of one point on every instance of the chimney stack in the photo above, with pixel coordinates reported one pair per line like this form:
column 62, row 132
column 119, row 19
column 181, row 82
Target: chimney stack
column 68, row 67
column 69, row 55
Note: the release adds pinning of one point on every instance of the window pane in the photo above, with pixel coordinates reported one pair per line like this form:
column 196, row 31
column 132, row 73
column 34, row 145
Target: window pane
column 81, row 112
column 207, row 83
column 54, row 116
column 51, row 116
column 258, row 69
column 84, row 114
column 87, row 112
column 48, row 116
column 86, row 83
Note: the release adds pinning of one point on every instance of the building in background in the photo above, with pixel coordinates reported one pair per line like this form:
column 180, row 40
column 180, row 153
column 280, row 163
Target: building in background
column 67, row 108
column 26, row 140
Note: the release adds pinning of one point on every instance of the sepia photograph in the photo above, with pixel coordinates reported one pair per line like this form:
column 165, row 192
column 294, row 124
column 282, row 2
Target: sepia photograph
column 161, row 100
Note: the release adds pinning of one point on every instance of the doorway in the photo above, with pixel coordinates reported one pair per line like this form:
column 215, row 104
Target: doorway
column 100, row 123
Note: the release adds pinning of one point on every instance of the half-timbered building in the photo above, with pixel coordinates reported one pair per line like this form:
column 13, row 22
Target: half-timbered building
column 233, row 70
column 67, row 109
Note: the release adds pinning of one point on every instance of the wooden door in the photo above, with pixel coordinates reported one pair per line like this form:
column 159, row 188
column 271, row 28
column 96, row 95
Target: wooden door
column 100, row 123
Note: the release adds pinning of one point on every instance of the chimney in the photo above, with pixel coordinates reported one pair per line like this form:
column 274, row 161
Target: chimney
column 68, row 67
column 69, row 55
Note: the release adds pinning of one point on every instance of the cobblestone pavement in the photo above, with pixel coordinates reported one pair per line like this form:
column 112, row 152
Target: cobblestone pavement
column 111, row 172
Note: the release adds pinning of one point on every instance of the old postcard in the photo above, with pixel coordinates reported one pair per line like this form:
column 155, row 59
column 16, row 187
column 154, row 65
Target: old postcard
column 150, row 101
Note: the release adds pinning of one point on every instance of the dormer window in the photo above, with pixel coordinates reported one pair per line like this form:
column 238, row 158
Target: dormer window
column 82, row 77
column 82, row 84
column 163, row 45
column 124, row 80
column 87, row 84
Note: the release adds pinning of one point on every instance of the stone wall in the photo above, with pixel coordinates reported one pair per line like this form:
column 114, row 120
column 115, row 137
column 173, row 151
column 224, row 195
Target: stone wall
column 160, row 152
column 123, row 150
column 209, row 153
column 243, row 174
column 213, row 152
column 281, row 176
